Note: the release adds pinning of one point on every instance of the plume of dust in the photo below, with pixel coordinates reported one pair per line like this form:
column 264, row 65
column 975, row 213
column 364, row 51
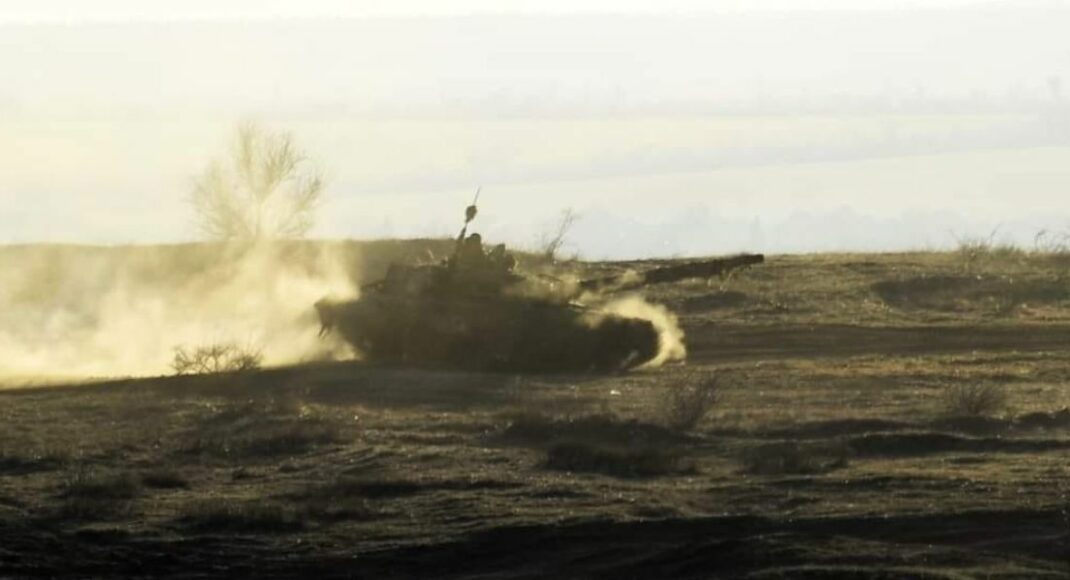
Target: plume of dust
column 670, row 335
column 567, row 289
column 80, row 312
column 546, row 288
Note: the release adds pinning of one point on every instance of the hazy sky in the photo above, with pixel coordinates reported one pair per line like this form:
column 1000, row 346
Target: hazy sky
column 757, row 127
column 76, row 10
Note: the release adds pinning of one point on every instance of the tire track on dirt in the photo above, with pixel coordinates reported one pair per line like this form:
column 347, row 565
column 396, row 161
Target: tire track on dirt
column 717, row 343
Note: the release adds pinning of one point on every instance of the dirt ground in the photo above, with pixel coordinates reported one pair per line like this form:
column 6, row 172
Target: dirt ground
column 839, row 445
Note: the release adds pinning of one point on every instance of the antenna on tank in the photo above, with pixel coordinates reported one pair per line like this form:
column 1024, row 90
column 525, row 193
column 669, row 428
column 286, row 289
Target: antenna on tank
column 470, row 214
column 471, row 211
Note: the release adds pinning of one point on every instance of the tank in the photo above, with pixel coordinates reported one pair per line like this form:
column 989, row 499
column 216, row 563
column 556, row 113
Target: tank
column 476, row 311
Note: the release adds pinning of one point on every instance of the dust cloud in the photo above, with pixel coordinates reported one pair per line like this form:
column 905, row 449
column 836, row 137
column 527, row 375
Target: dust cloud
column 670, row 335
column 78, row 311
column 563, row 289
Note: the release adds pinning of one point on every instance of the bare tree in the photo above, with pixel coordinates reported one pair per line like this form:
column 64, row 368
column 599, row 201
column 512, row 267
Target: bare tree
column 551, row 243
column 263, row 188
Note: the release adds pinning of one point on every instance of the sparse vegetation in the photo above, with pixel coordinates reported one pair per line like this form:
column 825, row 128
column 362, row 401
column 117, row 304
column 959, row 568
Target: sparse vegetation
column 603, row 429
column 87, row 483
column 1052, row 242
column 840, row 433
column 981, row 252
column 94, row 494
column 216, row 358
column 643, row 461
column 244, row 516
column 990, row 294
column 792, row 457
column 254, row 430
column 366, row 487
column 165, row 478
column 975, row 399
column 689, row 401
column 23, row 460
column 1064, row 513
column 552, row 242
column 349, row 498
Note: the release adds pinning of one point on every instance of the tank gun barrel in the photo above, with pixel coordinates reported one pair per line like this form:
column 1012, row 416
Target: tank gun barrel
column 698, row 269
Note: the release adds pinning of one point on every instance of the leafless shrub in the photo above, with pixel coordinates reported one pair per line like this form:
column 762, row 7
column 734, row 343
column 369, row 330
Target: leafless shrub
column 216, row 358
column 689, row 401
column 975, row 399
column 552, row 242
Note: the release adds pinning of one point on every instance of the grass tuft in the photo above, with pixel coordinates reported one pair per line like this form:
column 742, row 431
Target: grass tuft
column 976, row 253
column 975, row 399
column 90, row 494
column 92, row 484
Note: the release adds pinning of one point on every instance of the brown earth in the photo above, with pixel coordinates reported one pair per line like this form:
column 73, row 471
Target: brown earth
column 830, row 453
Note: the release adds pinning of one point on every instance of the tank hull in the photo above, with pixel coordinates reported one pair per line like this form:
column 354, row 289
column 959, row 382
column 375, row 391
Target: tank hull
column 502, row 335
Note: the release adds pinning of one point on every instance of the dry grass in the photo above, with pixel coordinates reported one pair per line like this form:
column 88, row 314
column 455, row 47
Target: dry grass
column 599, row 429
column 795, row 458
column 26, row 460
column 94, row 494
column 243, row 516
column 689, row 401
column 437, row 463
column 165, row 478
column 254, row 430
column 648, row 461
column 1064, row 513
column 349, row 498
column 89, row 483
column 985, row 252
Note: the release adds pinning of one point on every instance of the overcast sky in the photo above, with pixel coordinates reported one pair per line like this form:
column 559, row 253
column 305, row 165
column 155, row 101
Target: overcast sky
column 79, row 10
column 756, row 127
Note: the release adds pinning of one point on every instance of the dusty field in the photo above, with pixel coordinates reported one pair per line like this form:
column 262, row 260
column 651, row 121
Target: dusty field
column 832, row 451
